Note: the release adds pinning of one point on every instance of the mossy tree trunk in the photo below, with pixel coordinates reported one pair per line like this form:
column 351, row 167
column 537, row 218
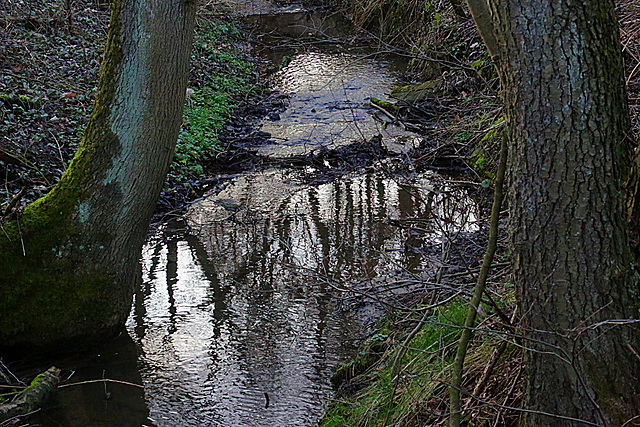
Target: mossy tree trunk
column 570, row 161
column 70, row 263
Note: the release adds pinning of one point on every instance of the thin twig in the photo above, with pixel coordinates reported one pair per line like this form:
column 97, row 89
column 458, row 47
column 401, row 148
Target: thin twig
column 486, row 374
column 14, row 201
column 630, row 420
column 12, row 421
column 635, row 353
column 101, row 381
column 532, row 411
column 516, row 381
column 454, row 391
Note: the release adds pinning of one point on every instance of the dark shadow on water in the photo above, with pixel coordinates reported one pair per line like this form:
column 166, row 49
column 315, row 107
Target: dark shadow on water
column 97, row 403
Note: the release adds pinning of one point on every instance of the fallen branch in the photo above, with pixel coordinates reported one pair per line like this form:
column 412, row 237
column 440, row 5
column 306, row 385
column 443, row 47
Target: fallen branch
column 388, row 109
column 33, row 397
column 385, row 108
column 104, row 380
column 10, row 158
column 488, row 370
column 14, row 201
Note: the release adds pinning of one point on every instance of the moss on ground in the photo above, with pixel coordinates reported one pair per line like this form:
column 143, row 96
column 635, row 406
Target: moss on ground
column 429, row 355
column 419, row 394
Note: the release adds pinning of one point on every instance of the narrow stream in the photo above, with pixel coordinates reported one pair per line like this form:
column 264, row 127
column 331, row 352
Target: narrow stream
column 240, row 319
column 242, row 304
column 330, row 84
column 245, row 303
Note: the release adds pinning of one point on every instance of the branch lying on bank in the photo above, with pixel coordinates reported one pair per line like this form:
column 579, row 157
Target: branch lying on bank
column 5, row 156
column 33, row 397
column 14, row 201
column 391, row 111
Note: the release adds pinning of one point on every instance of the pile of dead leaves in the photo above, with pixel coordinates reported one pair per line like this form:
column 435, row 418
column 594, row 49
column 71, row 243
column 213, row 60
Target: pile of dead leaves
column 50, row 55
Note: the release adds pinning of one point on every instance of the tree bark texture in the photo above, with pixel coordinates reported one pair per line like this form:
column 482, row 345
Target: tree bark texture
column 482, row 17
column 570, row 159
column 70, row 263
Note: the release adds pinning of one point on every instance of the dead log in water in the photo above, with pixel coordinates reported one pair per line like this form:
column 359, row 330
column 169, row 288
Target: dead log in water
column 33, row 397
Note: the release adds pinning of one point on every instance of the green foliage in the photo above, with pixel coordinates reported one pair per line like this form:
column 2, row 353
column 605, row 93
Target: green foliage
column 481, row 163
column 24, row 100
column 203, row 122
column 224, row 74
column 286, row 60
column 486, row 152
column 215, row 31
column 463, row 137
column 425, row 369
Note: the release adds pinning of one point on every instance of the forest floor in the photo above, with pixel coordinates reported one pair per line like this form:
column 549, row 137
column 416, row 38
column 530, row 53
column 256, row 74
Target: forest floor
column 49, row 63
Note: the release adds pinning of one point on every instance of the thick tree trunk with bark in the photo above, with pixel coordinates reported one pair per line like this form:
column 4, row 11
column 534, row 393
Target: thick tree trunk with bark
column 570, row 159
column 70, row 262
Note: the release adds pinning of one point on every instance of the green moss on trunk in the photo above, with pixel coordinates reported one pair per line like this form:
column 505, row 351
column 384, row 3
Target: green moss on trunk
column 45, row 285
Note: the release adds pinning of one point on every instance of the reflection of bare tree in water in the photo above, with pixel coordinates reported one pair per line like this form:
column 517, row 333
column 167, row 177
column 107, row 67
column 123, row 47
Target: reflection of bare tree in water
column 247, row 304
column 172, row 279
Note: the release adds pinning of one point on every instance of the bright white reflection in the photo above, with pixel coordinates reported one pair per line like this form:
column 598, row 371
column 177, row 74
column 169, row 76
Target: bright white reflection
column 329, row 93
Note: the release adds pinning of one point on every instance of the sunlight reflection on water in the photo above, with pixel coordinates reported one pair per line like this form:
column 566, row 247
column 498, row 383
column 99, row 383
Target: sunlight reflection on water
column 328, row 105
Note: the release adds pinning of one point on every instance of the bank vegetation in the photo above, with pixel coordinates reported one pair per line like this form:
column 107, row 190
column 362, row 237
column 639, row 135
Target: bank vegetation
column 404, row 371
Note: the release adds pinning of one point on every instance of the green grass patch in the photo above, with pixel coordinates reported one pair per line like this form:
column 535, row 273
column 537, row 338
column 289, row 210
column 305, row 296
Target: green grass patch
column 424, row 372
